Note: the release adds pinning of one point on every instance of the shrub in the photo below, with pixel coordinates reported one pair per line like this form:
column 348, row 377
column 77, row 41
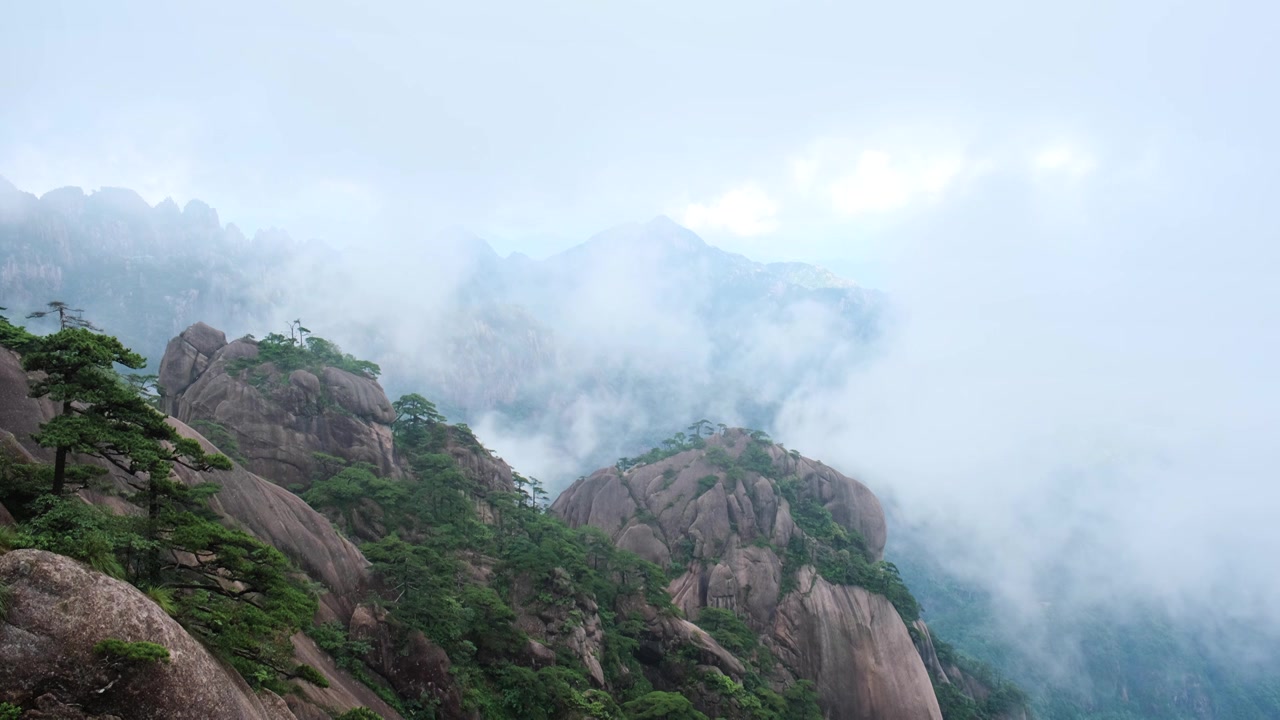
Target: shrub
column 659, row 705
column 9, row 711
column 360, row 713
column 134, row 653
column 727, row 629
column 311, row 675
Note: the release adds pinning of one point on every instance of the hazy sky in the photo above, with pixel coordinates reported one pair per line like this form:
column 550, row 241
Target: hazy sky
column 780, row 129
column 1073, row 205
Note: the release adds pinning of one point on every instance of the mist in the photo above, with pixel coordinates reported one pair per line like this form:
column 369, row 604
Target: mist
column 1056, row 354
column 1078, row 401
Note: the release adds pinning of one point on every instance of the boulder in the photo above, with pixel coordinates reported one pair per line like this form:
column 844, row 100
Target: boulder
column 58, row 610
column 187, row 357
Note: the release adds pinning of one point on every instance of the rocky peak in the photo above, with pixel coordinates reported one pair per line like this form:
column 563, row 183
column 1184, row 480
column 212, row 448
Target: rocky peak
column 68, row 200
column 200, row 214
column 276, row 421
column 720, row 514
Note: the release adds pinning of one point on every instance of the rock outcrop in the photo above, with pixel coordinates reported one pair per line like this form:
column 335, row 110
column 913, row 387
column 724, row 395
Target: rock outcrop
column 727, row 525
column 57, row 610
column 853, row 645
column 276, row 421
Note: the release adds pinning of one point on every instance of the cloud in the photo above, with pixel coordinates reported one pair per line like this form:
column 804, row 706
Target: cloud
column 745, row 211
column 879, row 183
column 1080, row 410
column 1062, row 159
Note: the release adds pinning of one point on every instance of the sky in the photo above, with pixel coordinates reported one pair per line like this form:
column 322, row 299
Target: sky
column 802, row 131
column 1071, row 204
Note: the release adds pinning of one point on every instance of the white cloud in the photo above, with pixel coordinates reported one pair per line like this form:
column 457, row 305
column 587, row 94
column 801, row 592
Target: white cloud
column 804, row 170
column 745, row 211
column 879, row 183
column 1062, row 159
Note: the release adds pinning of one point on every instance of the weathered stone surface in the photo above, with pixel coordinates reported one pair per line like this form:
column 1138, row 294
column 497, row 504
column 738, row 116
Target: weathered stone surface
column 727, row 533
column 279, row 421
column 344, row 692
column 285, row 521
column 555, row 624
column 58, row 610
column 853, row 645
column 187, row 356
column 928, row 654
column 21, row 415
column 668, row 632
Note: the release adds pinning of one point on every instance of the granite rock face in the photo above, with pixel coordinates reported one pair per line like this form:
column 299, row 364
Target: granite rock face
column 727, row 530
column 276, row 421
column 58, row 610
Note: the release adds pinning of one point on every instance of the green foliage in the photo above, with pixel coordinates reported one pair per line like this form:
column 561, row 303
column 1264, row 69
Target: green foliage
column 728, row 629
column 301, row 352
column 9, row 711
column 662, row 706
column 705, row 483
column 755, row 458
column 673, row 445
column 228, row 589
column 360, row 713
column 138, row 653
column 221, row 438
column 15, row 337
column 311, row 675
column 71, row 527
column 332, row 637
column 353, row 484
column 840, row 554
column 165, row 597
column 668, row 475
column 233, row 592
column 414, row 412
column 802, row 701
column 249, row 625
column 434, row 538
column 101, row 414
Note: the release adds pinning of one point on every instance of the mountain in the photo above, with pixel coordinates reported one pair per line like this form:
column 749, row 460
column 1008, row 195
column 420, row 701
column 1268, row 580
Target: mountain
column 756, row 589
column 566, row 363
column 593, row 349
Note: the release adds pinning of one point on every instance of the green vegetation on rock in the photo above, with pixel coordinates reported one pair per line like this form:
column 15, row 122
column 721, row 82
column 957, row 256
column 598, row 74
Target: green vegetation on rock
column 132, row 652
column 299, row 350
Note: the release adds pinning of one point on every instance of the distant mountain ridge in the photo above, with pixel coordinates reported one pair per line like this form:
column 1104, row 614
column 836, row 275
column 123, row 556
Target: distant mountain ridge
column 640, row 323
